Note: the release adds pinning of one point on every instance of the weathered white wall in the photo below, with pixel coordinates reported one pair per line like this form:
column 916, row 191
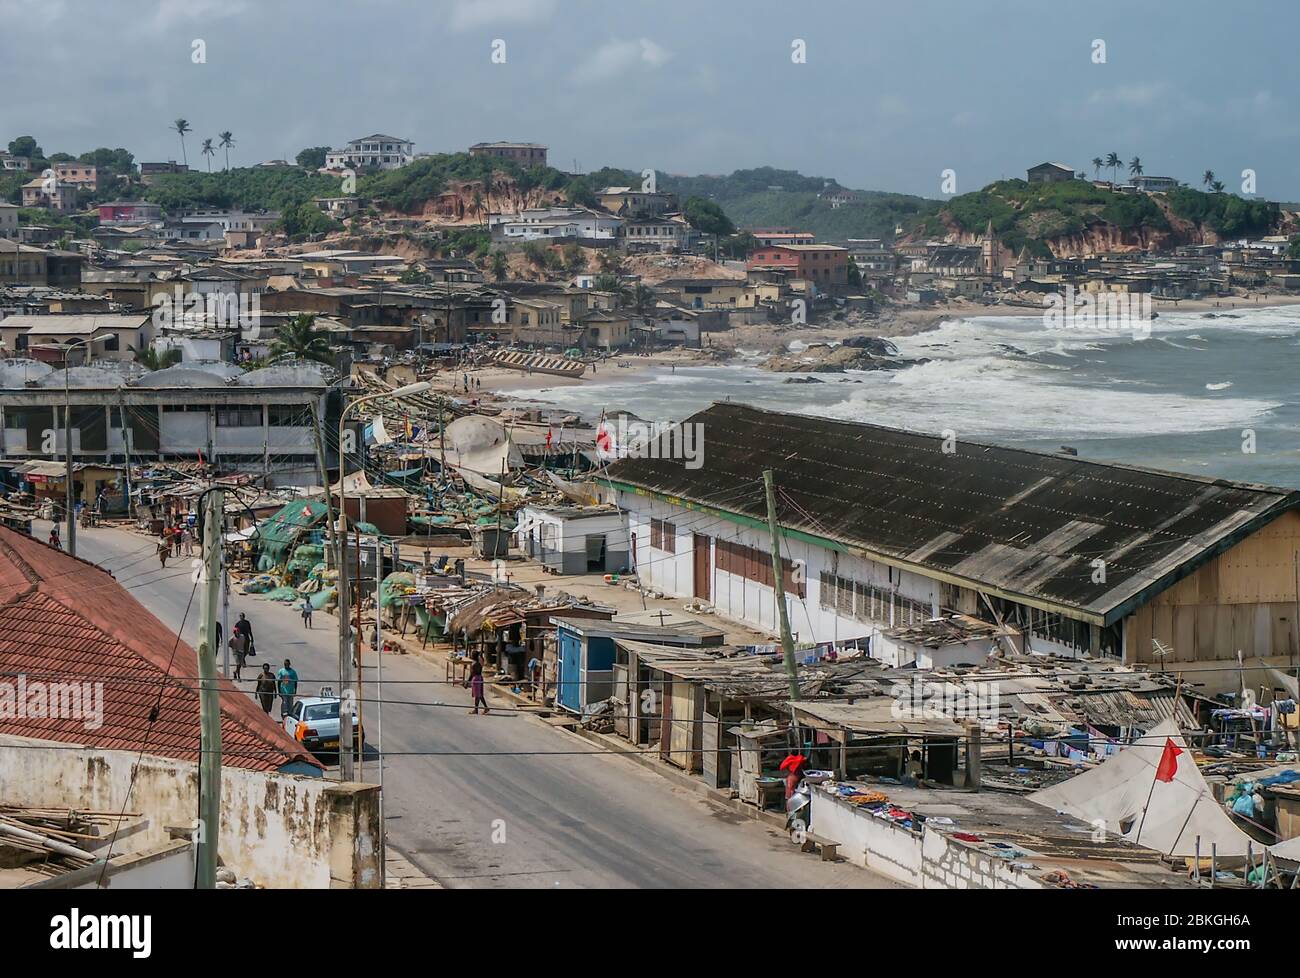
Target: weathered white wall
column 284, row 831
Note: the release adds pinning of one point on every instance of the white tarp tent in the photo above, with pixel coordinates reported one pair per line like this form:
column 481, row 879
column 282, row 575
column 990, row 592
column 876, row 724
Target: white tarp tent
column 1116, row 791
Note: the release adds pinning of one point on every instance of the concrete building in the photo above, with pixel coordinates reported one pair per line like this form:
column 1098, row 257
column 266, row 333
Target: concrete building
column 258, row 421
column 1050, row 173
column 55, row 195
column 378, row 152
column 1076, row 556
column 824, row 265
column 9, row 221
column 81, row 174
column 626, row 202
column 129, row 212
column 109, row 337
column 574, row 539
column 1152, row 184
column 525, row 154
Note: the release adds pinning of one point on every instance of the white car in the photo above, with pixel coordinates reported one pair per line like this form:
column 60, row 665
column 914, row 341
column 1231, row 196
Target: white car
column 314, row 723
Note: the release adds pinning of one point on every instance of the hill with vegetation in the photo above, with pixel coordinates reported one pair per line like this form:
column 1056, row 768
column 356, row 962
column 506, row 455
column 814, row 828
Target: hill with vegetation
column 1074, row 216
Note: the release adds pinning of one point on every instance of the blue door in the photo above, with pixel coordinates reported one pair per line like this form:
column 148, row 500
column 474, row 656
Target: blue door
column 568, row 691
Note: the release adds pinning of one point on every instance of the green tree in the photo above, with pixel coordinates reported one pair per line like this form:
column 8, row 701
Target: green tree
column 26, row 146
column 739, row 245
column 1135, row 167
column 151, row 359
column 855, row 274
column 312, row 158
column 705, row 215
column 209, row 151
column 226, row 140
column 575, row 259
column 535, row 252
column 1207, row 178
column 117, row 161
column 182, row 127
column 1113, row 163
column 1097, row 164
column 499, row 265
column 300, row 338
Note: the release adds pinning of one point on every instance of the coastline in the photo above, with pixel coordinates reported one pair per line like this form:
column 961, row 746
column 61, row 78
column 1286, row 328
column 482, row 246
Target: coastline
column 502, row 387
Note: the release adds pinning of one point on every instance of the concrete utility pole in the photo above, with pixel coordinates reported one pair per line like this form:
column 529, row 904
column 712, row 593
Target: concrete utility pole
column 209, row 693
column 778, row 585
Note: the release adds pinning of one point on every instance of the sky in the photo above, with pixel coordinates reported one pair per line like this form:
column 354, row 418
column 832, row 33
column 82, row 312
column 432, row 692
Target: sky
column 887, row 96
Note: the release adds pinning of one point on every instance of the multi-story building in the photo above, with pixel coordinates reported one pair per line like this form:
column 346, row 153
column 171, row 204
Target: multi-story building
column 129, row 212
column 782, row 236
column 378, row 152
column 670, row 232
column 51, row 193
column 259, row 421
column 525, row 154
column 823, row 265
column 49, row 337
column 9, row 221
column 10, row 163
column 627, row 202
column 81, row 174
column 22, row 264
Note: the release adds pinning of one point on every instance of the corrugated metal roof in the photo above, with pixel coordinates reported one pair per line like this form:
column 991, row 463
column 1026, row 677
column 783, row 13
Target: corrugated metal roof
column 1015, row 522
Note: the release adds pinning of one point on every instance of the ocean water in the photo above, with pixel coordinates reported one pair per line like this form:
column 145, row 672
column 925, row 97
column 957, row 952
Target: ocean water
column 1195, row 395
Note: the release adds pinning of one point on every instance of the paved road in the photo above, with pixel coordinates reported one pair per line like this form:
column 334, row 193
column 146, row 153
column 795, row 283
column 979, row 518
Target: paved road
column 525, row 805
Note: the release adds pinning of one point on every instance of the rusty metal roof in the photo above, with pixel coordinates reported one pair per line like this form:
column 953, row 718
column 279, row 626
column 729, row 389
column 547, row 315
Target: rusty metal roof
column 1025, row 525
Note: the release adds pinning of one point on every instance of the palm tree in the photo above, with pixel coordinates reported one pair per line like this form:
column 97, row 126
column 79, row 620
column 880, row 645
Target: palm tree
column 226, row 140
column 209, row 151
column 1217, row 186
column 499, row 265
column 1112, row 163
column 642, row 298
column 151, row 359
column 1135, row 167
column 478, row 205
column 1097, row 164
column 300, row 338
column 182, row 127
column 1208, row 178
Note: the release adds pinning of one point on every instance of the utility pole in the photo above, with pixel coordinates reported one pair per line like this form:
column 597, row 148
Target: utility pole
column 209, row 693
column 338, row 544
column 778, row 586
column 67, row 451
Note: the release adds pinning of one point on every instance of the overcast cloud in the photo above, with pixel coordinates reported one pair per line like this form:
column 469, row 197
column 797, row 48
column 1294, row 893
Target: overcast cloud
column 892, row 94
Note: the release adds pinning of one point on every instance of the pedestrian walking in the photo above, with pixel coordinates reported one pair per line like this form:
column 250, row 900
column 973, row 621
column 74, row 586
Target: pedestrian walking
column 476, row 687
column 163, row 548
column 265, row 689
column 306, row 612
column 176, row 540
column 287, row 681
column 244, row 627
column 187, row 540
column 239, row 649
column 55, row 541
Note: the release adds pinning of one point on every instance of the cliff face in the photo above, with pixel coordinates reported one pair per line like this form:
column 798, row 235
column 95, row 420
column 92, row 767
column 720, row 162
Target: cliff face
column 1101, row 236
column 455, row 205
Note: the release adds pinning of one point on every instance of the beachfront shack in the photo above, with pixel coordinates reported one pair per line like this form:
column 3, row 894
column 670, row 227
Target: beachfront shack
column 585, row 652
column 574, row 539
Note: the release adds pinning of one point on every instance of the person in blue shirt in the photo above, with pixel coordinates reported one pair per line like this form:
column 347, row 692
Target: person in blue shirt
column 287, row 681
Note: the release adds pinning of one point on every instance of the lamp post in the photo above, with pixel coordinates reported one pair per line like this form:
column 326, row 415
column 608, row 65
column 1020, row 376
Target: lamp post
column 345, row 726
column 67, row 441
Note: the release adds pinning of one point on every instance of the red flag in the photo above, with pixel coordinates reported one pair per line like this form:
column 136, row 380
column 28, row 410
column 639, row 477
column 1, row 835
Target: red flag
column 548, row 437
column 1168, row 761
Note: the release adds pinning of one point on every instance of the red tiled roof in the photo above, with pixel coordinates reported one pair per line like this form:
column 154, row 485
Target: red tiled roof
column 64, row 620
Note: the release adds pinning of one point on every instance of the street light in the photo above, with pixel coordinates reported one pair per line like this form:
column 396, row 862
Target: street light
column 67, row 439
column 341, row 540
